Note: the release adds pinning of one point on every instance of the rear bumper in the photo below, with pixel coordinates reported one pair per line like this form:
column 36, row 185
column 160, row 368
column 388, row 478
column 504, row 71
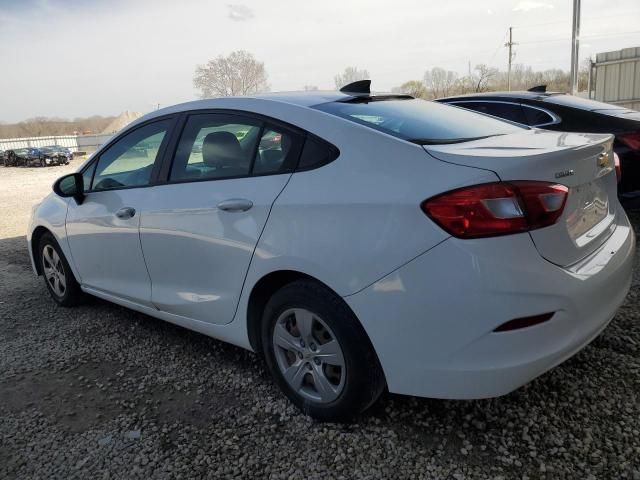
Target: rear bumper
column 431, row 321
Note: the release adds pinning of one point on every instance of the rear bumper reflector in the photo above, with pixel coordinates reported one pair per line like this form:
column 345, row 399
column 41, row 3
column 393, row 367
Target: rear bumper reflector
column 524, row 322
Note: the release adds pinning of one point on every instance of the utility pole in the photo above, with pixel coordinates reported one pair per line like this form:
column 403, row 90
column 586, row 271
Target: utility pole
column 575, row 44
column 510, row 44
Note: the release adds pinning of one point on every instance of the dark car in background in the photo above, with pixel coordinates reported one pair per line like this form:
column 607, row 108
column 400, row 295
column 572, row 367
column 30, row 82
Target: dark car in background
column 55, row 154
column 24, row 157
column 558, row 111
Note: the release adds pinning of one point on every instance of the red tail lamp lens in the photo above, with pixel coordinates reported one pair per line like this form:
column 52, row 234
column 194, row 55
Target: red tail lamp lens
column 499, row 208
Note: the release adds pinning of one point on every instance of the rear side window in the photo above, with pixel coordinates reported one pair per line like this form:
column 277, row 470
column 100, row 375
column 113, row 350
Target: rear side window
column 216, row 146
column 508, row 111
column 537, row 117
column 419, row 121
column 316, row 153
column 278, row 151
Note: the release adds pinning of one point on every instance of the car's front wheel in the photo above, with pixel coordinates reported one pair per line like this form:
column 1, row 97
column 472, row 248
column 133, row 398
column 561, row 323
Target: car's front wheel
column 318, row 352
column 58, row 277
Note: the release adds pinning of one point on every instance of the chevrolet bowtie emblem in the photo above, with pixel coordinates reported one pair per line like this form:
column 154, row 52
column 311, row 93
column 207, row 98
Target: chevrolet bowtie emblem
column 603, row 160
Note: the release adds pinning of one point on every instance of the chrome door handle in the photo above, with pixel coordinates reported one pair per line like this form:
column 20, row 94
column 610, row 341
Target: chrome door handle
column 126, row 212
column 235, row 205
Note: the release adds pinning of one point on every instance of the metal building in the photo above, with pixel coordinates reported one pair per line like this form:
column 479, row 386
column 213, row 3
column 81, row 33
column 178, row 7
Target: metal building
column 615, row 78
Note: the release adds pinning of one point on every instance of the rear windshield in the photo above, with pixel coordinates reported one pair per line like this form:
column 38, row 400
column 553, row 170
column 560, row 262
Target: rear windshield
column 420, row 121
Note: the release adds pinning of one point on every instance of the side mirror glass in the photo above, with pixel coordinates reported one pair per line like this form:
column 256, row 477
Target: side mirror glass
column 71, row 185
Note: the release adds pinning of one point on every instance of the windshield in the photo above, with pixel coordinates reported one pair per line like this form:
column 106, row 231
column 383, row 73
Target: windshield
column 420, row 121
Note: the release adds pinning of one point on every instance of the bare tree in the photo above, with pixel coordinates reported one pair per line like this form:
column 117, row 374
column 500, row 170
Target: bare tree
column 415, row 88
column 350, row 75
column 483, row 77
column 44, row 126
column 440, row 82
column 237, row 74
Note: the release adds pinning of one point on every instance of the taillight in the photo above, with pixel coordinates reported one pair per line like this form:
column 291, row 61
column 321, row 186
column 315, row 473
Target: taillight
column 616, row 161
column 631, row 140
column 500, row 208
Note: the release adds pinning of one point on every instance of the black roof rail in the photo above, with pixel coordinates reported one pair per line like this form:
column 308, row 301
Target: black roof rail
column 538, row 88
column 361, row 87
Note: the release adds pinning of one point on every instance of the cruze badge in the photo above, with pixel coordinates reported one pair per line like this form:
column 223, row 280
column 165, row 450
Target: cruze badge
column 603, row 160
column 565, row 173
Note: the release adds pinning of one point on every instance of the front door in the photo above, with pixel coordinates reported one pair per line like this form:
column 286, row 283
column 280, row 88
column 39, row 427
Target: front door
column 200, row 230
column 103, row 231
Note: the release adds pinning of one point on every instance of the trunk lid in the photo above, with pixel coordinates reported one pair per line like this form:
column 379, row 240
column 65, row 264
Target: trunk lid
column 582, row 162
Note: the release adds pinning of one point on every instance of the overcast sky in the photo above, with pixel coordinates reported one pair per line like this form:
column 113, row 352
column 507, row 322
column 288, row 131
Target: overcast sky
column 70, row 58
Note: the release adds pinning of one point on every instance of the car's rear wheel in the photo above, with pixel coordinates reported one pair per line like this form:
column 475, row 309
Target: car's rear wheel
column 58, row 277
column 318, row 352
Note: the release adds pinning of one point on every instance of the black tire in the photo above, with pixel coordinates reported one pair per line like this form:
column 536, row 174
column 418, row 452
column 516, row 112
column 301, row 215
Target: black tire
column 72, row 294
column 364, row 380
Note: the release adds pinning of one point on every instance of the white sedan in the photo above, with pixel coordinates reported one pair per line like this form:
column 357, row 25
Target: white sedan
column 359, row 242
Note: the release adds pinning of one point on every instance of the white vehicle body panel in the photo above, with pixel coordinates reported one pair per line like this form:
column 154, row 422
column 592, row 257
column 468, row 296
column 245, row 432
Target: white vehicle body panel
column 106, row 249
column 570, row 159
column 428, row 302
column 203, row 277
column 435, row 338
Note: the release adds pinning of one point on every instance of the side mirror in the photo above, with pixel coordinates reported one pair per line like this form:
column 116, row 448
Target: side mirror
column 71, row 185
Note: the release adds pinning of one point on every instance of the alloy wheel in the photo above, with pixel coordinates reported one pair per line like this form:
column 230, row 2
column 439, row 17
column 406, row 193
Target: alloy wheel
column 54, row 270
column 308, row 355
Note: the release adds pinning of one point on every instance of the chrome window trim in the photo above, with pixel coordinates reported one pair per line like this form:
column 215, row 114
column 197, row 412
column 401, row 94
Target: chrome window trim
column 555, row 117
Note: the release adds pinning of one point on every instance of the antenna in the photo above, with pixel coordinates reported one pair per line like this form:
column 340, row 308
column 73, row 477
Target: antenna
column 361, row 87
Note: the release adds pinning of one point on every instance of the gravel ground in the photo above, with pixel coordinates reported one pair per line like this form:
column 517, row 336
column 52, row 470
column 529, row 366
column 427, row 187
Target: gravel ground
column 102, row 392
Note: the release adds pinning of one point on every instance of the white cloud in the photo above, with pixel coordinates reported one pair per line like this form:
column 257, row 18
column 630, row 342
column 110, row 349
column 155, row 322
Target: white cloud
column 526, row 5
column 239, row 13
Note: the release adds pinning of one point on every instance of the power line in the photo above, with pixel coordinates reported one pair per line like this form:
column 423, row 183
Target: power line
column 626, row 14
column 582, row 37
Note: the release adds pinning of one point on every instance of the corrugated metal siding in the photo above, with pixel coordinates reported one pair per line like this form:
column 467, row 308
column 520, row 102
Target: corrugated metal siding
column 618, row 82
column 72, row 142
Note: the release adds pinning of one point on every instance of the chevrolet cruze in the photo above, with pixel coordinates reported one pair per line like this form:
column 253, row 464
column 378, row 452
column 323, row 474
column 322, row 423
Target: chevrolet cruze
column 359, row 242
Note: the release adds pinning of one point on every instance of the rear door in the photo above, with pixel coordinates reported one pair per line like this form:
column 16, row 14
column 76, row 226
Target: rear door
column 200, row 230
column 582, row 162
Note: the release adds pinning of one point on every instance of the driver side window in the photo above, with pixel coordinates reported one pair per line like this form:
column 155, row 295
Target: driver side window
column 129, row 161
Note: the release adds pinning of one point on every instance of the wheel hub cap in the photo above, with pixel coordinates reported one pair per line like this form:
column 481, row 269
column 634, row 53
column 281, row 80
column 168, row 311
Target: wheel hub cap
column 309, row 355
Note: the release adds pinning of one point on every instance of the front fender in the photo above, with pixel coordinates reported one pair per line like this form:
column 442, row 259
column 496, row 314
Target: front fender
column 51, row 214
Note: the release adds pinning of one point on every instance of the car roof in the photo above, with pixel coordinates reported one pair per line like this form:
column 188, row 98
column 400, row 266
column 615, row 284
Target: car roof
column 552, row 98
column 509, row 95
column 304, row 99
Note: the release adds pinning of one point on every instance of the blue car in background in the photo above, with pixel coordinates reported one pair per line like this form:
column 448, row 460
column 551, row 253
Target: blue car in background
column 55, row 154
